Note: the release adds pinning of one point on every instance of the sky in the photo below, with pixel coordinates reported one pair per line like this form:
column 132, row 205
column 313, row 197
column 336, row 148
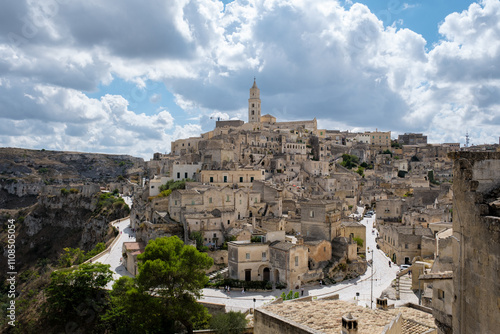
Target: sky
column 129, row 77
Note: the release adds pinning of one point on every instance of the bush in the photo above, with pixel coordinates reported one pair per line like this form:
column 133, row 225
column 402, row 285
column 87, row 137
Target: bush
column 296, row 295
column 64, row 191
column 229, row 323
column 73, row 191
column 289, row 296
column 283, row 296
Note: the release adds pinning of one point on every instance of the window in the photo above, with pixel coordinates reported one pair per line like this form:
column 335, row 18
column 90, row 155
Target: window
column 264, row 256
column 240, row 201
column 185, row 175
column 210, row 200
column 211, row 179
column 440, row 294
column 215, row 235
column 296, row 261
column 253, row 105
column 255, row 201
column 406, row 246
column 251, row 179
column 253, row 112
column 311, row 214
column 152, row 187
column 229, row 222
column 178, row 175
column 225, row 178
column 175, row 202
column 227, row 198
column 248, row 256
column 418, row 246
column 241, row 179
column 192, row 202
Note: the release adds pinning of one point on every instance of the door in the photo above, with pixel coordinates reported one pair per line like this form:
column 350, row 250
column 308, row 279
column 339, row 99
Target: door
column 248, row 275
column 267, row 274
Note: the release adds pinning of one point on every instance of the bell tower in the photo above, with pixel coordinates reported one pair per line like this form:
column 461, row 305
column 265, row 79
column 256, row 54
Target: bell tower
column 254, row 104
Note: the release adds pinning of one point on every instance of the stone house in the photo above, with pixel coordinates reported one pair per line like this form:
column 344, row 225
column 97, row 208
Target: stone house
column 276, row 260
column 403, row 243
column 238, row 177
column 320, row 219
column 319, row 253
column 130, row 250
column 390, row 210
column 440, row 282
column 354, row 230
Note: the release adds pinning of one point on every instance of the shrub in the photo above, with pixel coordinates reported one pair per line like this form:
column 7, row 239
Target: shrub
column 64, row 191
column 283, row 296
column 296, row 295
column 289, row 296
column 73, row 191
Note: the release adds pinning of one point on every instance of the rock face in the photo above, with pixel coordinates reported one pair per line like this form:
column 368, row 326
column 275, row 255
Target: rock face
column 53, row 196
column 25, row 172
column 59, row 221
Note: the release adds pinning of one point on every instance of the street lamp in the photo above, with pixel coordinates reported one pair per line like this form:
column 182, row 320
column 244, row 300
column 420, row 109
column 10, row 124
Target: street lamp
column 371, row 279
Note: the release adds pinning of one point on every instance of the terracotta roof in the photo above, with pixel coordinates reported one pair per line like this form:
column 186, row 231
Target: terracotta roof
column 413, row 327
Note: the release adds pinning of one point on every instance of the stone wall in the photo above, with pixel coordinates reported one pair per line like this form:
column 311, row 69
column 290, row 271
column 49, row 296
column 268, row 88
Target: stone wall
column 476, row 264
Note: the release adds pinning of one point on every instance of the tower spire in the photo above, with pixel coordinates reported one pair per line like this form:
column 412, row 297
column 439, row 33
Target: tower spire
column 254, row 104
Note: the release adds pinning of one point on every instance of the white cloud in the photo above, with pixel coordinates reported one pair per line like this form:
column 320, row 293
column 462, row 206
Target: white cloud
column 312, row 58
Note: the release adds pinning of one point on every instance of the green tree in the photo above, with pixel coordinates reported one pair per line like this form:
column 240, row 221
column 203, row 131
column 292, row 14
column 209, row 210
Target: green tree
column 359, row 241
column 132, row 311
column 198, row 237
column 176, row 273
column 74, row 294
column 349, row 161
column 229, row 323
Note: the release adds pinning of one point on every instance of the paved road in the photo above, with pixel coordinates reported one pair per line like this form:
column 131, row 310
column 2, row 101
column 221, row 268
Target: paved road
column 114, row 257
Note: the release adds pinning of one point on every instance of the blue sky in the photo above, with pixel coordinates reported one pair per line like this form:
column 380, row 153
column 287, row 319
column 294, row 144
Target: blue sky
column 130, row 77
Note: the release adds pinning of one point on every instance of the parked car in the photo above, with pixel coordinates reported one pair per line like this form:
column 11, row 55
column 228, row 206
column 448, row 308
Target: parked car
column 404, row 266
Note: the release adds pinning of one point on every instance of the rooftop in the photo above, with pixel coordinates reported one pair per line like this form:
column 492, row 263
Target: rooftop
column 326, row 316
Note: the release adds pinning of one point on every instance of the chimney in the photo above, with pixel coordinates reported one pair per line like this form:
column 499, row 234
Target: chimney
column 382, row 304
column 300, row 241
column 349, row 324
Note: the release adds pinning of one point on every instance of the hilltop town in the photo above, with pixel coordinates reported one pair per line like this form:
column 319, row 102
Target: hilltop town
column 282, row 203
column 405, row 233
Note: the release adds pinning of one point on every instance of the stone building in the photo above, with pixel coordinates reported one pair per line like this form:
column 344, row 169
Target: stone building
column 239, row 177
column 130, row 250
column 320, row 219
column 403, row 243
column 354, row 230
column 412, row 139
column 440, row 282
column 476, row 246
